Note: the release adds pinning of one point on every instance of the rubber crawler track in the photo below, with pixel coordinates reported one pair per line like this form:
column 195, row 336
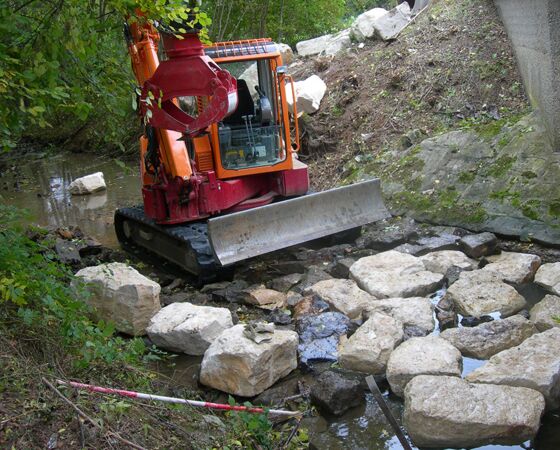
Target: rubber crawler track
column 192, row 236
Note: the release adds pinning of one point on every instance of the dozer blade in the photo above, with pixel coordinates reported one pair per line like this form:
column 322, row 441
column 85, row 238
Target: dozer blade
column 242, row 235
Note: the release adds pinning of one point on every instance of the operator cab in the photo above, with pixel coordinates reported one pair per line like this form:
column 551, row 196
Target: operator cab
column 252, row 135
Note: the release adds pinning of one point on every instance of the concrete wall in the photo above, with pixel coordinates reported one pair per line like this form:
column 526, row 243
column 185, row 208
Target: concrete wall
column 534, row 30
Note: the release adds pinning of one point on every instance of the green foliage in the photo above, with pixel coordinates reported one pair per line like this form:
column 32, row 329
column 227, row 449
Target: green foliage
column 35, row 294
column 287, row 21
column 64, row 65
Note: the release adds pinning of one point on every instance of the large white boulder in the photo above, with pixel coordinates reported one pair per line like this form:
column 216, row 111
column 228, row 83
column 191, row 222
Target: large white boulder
column 123, row 295
column 338, row 42
column 368, row 349
column 309, row 94
column 546, row 313
column 236, row 364
column 343, row 296
column 430, row 355
column 188, row 328
column 548, row 276
column 483, row 292
column 391, row 24
column 394, row 274
column 487, row 339
column 313, row 46
column 287, row 53
column 443, row 260
column 517, row 268
column 88, row 184
column 534, row 364
column 363, row 27
column 416, row 312
column 443, row 411
column 251, row 77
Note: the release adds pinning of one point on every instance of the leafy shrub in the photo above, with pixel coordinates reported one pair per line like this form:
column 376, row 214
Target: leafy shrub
column 37, row 303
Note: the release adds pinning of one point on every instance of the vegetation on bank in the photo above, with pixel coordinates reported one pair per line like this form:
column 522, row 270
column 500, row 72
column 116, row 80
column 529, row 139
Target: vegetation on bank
column 65, row 79
column 46, row 330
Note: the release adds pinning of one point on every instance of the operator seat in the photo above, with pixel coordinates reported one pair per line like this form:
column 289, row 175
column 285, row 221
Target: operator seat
column 245, row 105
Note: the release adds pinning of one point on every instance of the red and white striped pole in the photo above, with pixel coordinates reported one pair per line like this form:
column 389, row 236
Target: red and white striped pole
column 161, row 398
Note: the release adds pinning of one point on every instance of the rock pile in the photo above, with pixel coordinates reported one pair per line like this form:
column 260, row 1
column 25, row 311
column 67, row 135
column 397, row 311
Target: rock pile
column 376, row 317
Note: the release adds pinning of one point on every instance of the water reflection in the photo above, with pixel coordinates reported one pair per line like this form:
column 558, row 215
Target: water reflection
column 41, row 187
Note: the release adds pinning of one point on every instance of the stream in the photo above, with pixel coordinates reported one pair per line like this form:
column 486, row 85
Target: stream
column 40, row 186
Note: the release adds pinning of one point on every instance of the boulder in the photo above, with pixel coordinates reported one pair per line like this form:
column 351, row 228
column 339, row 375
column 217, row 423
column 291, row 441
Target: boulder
column 388, row 234
column 483, row 292
column 313, row 46
column 412, row 312
column 338, row 42
column 251, row 77
column 394, row 274
column 311, row 277
column 368, row 349
column 443, row 411
column 546, row 313
column 430, row 355
column 67, row 251
column 287, row 54
column 336, row 394
column 548, row 276
column 239, row 366
column 343, row 296
column 389, row 25
column 478, row 245
column 121, row 294
column 517, row 268
column 534, row 364
column 487, row 339
column 319, row 336
column 443, row 260
column 444, row 241
column 188, row 328
column 88, row 184
column 309, row 94
column 363, row 26
column 264, row 298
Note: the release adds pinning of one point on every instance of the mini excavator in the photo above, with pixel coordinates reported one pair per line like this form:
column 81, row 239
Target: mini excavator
column 221, row 181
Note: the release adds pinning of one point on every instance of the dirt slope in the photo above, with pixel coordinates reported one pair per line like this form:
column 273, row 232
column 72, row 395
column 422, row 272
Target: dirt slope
column 452, row 68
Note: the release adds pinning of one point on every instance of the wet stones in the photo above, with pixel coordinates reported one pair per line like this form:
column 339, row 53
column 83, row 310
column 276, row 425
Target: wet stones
column 548, row 276
column 478, row 245
column 341, row 267
column 413, row 312
column 430, row 355
column 309, row 306
column 319, row 336
column 534, row 364
column 121, row 294
column 188, row 328
column 483, row 292
column 443, row 260
column 368, row 349
column 343, row 296
column 516, row 268
column 444, row 411
column 487, row 339
column 546, row 313
column 67, row 252
column 88, row 184
column 239, row 366
column 336, row 394
column 394, row 274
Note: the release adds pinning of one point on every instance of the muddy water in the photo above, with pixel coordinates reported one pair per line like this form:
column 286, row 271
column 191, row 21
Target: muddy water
column 41, row 187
